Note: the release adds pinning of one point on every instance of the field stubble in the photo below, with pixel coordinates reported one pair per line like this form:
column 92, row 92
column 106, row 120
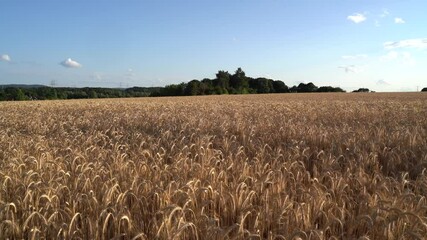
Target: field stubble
column 307, row 166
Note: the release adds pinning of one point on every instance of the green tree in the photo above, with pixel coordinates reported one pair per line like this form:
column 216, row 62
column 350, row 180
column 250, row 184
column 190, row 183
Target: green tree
column 206, row 87
column 222, row 80
column 239, row 82
column 362, row 90
column 329, row 89
column 261, row 85
column 13, row 93
column 93, row 94
column 280, row 87
column 192, row 88
column 2, row 94
column 302, row 87
column 19, row 95
column 52, row 94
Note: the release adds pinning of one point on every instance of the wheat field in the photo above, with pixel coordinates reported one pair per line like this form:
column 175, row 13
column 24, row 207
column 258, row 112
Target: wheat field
column 281, row 166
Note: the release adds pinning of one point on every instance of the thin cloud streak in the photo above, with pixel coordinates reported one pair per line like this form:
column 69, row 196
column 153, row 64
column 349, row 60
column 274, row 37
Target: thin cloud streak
column 351, row 69
column 352, row 57
column 419, row 43
column 383, row 83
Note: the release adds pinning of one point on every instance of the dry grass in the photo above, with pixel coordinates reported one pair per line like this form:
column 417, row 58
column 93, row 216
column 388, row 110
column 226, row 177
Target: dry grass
column 305, row 166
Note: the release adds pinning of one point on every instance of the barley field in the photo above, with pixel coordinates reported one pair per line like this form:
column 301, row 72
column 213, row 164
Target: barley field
column 285, row 166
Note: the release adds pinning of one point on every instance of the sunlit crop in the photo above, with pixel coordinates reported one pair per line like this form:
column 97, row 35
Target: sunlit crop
column 293, row 166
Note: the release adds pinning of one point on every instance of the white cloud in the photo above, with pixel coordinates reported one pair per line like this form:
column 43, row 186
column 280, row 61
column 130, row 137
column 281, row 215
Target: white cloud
column 5, row 58
column 399, row 20
column 352, row 57
column 419, row 43
column 69, row 63
column 357, row 18
column 351, row 69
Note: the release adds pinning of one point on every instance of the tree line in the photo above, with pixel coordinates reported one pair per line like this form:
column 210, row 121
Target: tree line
column 51, row 93
column 223, row 83
column 237, row 83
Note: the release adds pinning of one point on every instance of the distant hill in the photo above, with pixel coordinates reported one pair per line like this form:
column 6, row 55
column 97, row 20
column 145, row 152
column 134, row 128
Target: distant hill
column 23, row 86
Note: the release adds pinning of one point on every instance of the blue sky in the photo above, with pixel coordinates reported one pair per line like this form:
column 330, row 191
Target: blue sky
column 381, row 45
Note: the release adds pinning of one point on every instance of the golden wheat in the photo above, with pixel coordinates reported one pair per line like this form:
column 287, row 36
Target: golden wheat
column 292, row 166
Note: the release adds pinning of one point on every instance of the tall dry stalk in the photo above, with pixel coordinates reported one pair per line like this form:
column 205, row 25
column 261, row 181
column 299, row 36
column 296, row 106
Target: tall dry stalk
column 294, row 166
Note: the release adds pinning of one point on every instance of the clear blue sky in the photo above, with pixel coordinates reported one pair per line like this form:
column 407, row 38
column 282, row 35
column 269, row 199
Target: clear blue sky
column 381, row 45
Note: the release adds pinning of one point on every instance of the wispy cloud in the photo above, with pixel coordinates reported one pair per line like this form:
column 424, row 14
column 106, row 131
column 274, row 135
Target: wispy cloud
column 420, row 43
column 130, row 74
column 352, row 57
column 69, row 63
column 392, row 55
column 399, row 20
column 407, row 58
column 377, row 23
column 403, row 57
column 351, row 69
column 385, row 13
column 383, row 83
column 96, row 76
column 357, row 17
column 5, row 58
